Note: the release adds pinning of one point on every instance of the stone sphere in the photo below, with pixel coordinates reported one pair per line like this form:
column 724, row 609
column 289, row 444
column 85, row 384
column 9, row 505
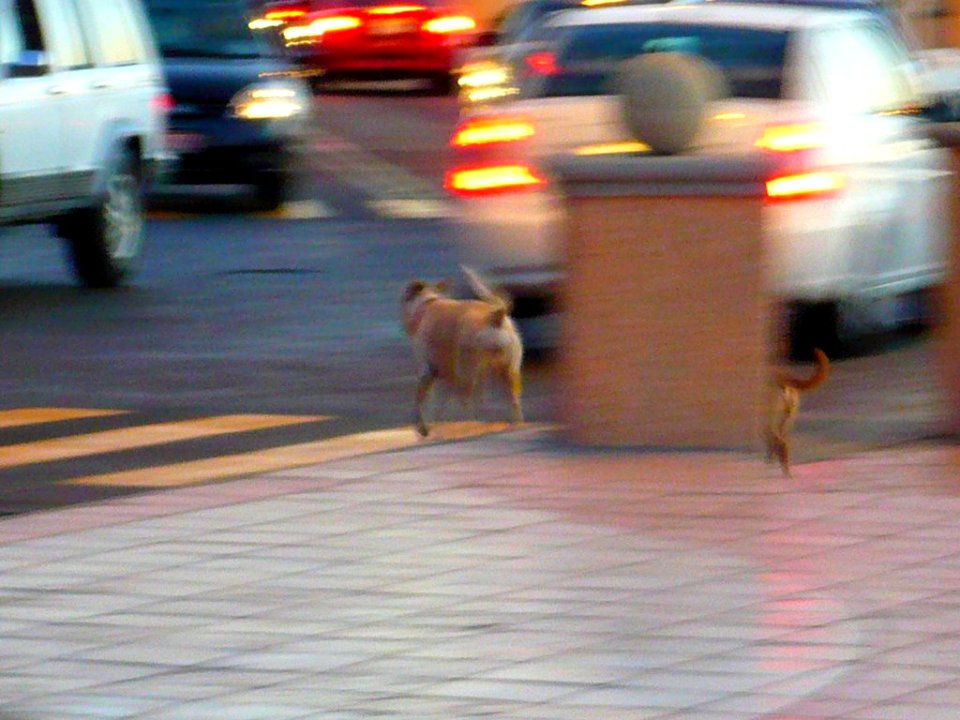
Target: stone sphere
column 664, row 97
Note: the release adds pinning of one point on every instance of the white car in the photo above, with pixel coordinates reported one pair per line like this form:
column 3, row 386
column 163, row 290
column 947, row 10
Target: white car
column 833, row 90
column 83, row 113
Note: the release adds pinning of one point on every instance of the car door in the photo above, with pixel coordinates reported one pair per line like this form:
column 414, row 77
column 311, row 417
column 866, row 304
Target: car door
column 31, row 113
column 81, row 92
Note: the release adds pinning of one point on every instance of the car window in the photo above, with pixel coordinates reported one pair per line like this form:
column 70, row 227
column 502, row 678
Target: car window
column 28, row 36
column 11, row 39
column 518, row 22
column 588, row 56
column 205, row 28
column 72, row 50
column 873, row 77
column 115, row 36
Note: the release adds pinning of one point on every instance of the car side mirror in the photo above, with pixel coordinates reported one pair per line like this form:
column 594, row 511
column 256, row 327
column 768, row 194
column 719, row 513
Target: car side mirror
column 30, row 63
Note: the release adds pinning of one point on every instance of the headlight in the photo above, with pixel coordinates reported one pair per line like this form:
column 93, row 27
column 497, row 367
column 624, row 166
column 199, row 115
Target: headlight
column 270, row 101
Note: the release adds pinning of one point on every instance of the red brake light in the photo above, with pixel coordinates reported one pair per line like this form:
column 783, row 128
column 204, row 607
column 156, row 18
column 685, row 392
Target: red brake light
column 284, row 15
column 795, row 148
column 542, row 63
column 450, row 24
column 807, row 184
column 395, row 9
column 305, row 33
column 791, row 138
column 489, row 131
column 162, row 102
column 482, row 180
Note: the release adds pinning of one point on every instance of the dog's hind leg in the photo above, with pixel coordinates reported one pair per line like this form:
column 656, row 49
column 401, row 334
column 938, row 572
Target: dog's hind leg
column 423, row 390
column 515, row 387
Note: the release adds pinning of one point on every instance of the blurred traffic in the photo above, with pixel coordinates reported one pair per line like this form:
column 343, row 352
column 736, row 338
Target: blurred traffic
column 239, row 113
column 857, row 196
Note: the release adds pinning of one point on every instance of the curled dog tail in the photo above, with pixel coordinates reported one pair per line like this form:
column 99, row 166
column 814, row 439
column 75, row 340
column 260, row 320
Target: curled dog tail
column 484, row 292
column 819, row 374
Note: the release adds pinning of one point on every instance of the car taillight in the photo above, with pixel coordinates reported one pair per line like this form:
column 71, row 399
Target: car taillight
column 284, row 15
column 492, row 152
column 449, row 24
column 320, row 27
column 162, row 102
column 791, row 138
column 394, row 9
column 483, row 131
column 785, row 187
column 279, row 16
column 796, row 174
column 541, row 63
column 492, row 179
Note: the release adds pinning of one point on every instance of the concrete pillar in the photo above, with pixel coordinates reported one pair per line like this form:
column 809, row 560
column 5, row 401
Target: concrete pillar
column 665, row 317
column 948, row 335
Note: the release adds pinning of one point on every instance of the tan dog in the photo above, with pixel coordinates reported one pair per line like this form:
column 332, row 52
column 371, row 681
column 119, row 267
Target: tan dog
column 462, row 343
column 784, row 404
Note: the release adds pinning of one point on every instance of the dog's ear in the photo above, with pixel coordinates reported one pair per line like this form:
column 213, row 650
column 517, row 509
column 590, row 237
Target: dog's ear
column 497, row 317
column 441, row 286
column 414, row 288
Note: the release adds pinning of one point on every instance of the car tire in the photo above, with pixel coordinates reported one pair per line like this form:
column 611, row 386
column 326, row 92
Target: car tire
column 441, row 84
column 104, row 241
column 831, row 326
column 270, row 191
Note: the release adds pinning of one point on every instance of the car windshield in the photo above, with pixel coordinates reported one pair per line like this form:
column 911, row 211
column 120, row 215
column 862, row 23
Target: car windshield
column 751, row 59
column 204, row 28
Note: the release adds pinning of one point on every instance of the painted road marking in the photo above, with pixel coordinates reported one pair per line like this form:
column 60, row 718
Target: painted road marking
column 281, row 458
column 293, row 210
column 412, row 208
column 106, row 441
column 18, row 417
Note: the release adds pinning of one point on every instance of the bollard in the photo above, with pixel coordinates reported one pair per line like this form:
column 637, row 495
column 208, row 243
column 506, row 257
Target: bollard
column 666, row 322
column 948, row 312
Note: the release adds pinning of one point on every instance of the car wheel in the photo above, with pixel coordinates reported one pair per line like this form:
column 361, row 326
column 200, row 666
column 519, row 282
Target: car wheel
column 104, row 241
column 833, row 327
column 271, row 191
column 441, row 84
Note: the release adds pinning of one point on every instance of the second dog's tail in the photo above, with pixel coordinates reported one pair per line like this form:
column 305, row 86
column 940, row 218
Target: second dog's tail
column 484, row 292
column 817, row 377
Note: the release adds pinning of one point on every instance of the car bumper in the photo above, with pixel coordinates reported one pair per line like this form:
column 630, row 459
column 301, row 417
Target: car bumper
column 230, row 151
column 816, row 251
column 377, row 63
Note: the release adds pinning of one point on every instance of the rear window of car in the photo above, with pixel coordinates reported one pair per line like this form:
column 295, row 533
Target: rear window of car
column 587, row 56
column 205, row 28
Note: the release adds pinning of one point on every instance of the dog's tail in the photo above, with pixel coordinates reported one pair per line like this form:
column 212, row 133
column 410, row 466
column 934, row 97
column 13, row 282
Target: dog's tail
column 819, row 374
column 484, row 292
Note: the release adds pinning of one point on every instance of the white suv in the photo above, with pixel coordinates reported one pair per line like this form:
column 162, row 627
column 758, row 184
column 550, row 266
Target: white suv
column 82, row 118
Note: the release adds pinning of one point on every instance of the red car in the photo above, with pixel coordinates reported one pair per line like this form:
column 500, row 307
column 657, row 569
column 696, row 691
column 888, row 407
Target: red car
column 380, row 39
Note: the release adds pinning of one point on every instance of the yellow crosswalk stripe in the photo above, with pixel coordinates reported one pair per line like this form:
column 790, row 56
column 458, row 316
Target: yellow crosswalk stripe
column 280, row 458
column 18, row 417
column 106, row 441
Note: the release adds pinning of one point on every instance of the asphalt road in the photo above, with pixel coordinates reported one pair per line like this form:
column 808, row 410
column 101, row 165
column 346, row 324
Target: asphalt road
column 253, row 341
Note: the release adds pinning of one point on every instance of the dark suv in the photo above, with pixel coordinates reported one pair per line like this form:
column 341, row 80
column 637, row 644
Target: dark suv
column 239, row 113
column 82, row 114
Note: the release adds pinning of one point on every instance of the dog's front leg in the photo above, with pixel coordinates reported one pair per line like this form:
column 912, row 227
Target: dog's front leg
column 516, row 388
column 423, row 390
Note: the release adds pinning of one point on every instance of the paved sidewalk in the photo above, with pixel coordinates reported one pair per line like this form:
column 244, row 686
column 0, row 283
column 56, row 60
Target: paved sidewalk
column 508, row 576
